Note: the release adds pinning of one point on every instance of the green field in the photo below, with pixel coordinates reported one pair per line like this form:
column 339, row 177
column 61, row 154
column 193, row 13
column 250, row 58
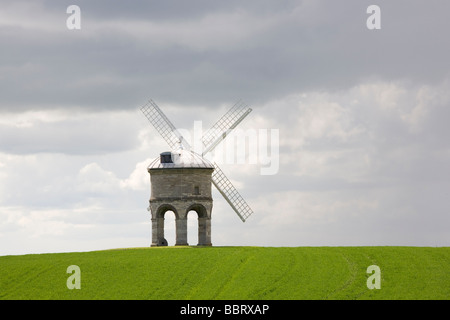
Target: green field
column 236, row 273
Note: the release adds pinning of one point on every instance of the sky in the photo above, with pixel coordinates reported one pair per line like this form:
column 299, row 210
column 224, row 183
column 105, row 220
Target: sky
column 360, row 115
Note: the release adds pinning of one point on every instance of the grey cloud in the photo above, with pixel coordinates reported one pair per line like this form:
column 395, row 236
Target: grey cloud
column 82, row 136
column 306, row 46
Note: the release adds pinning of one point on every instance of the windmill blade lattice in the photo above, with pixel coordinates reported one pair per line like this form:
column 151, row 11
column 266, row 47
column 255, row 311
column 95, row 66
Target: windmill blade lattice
column 163, row 125
column 224, row 126
column 229, row 192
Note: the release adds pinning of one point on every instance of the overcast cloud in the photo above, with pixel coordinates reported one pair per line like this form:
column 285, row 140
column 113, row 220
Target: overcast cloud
column 362, row 118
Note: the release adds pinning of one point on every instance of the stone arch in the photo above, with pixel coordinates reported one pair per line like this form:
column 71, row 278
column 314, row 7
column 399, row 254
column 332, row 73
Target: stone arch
column 158, row 213
column 204, row 223
column 193, row 229
column 181, row 209
column 199, row 208
column 162, row 209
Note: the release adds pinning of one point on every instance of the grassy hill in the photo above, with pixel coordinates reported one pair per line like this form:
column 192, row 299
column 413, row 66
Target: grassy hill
column 230, row 273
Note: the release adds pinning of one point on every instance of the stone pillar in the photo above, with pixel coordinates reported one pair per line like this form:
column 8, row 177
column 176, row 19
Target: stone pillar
column 181, row 235
column 204, row 231
column 158, row 232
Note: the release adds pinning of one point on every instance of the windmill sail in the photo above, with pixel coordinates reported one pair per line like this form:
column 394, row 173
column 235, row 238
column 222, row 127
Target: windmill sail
column 231, row 195
column 224, row 126
column 163, row 125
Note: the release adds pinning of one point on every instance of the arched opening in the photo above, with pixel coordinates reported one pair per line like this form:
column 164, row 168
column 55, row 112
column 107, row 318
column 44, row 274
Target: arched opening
column 169, row 227
column 199, row 230
column 166, row 227
column 192, row 227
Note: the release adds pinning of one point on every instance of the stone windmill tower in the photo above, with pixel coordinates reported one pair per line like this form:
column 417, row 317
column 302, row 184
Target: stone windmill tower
column 181, row 179
column 181, row 182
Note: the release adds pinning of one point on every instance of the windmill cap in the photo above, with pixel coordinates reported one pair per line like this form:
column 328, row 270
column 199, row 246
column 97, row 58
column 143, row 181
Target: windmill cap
column 180, row 159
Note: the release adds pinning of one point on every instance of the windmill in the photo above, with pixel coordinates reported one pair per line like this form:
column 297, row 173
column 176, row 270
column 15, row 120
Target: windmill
column 180, row 147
